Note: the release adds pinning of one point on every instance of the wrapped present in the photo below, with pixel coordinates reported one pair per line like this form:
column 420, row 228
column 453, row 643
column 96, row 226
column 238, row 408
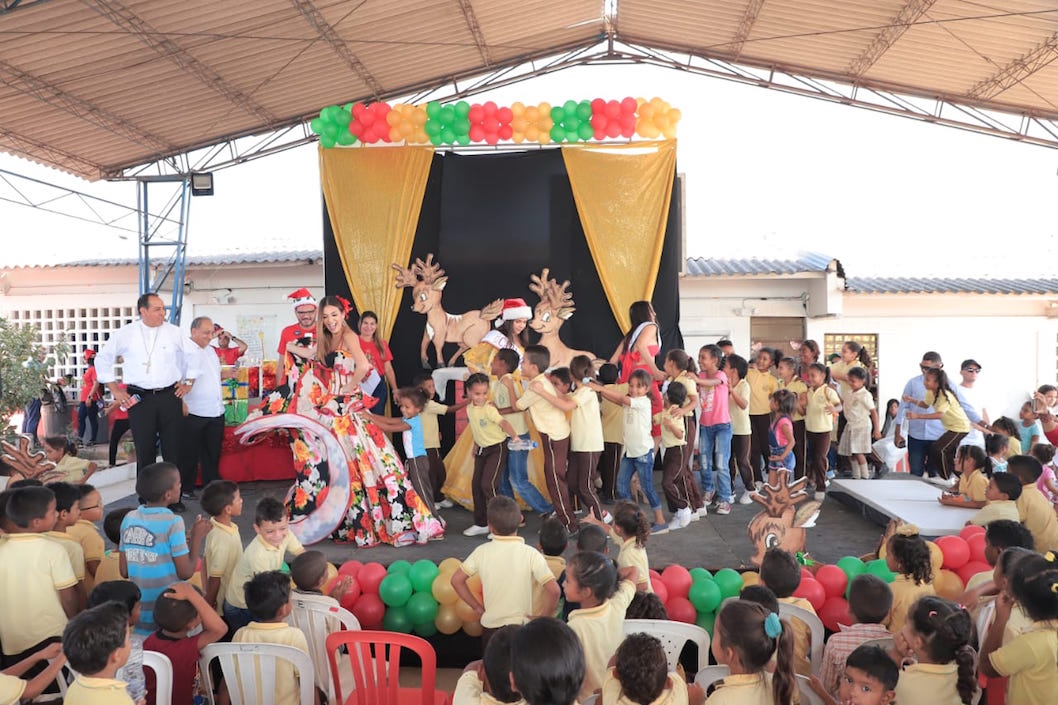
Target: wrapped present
column 254, row 382
column 227, row 372
column 268, row 375
column 243, row 375
column 233, row 389
column 235, row 411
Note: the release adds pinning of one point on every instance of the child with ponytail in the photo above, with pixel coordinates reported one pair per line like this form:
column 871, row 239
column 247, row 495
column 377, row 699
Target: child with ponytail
column 907, row 555
column 630, row 529
column 745, row 638
column 714, row 444
column 936, row 647
column 946, row 407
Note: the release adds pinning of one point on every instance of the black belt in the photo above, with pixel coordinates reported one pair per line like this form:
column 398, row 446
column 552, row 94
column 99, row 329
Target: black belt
column 161, row 390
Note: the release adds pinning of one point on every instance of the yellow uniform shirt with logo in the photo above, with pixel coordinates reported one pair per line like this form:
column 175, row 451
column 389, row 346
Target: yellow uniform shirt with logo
column 742, row 689
column 286, row 676
column 509, row 572
column 688, row 381
column 11, row 689
column 484, row 423
column 259, row 557
column 73, row 550
column 501, row 396
column 92, row 545
column 802, row 636
column 795, row 386
column 1031, row 662
column 858, row 406
column 633, row 555
column 929, row 684
column 613, row 430
column 220, row 556
column 471, row 691
column 739, row 416
column 97, row 691
column 761, row 387
column 548, row 418
column 842, row 368
column 817, row 418
column 557, row 564
column 585, row 422
column 953, row 417
column 73, row 468
column 600, row 632
column 1038, row 516
column 905, row 594
column 668, row 438
column 674, row 692
column 431, row 435
column 973, row 485
column 994, row 511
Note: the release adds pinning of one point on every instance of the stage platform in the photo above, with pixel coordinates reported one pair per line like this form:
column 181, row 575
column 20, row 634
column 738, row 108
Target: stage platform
column 908, row 498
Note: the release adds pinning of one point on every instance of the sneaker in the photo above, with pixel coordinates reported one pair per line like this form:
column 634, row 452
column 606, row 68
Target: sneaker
column 723, row 508
column 830, row 475
column 685, row 516
column 757, row 485
column 709, row 497
column 674, row 523
column 475, row 530
column 820, row 496
column 657, row 529
column 745, row 498
column 700, row 512
column 445, row 504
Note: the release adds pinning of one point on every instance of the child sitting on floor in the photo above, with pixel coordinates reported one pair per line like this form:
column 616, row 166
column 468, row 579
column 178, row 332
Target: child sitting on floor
column 939, row 634
column 488, row 681
column 908, row 556
column 1001, row 493
column 780, row 572
column 96, row 644
column 869, row 601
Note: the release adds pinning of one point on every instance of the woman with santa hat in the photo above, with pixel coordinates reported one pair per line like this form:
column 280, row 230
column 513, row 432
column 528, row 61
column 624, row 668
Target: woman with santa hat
column 511, row 332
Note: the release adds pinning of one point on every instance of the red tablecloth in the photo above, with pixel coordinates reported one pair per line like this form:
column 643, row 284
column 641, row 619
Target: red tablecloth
column 268, row 459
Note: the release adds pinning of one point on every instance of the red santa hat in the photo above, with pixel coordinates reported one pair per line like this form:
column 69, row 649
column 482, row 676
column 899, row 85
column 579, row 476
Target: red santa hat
column 89, row 354
column 301, row 297
column 516, row 310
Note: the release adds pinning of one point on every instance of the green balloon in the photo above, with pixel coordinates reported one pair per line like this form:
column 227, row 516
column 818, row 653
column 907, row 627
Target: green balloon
column 422, row 575
column 851, row 566
column 346, row 138
column 425, row 629
column 396, row 620
column 463, row 139
column 570, row 108
column 432, row 128
column 700, row 574
column 572, row 122
column 342, row 118
column 557, row 133
column 326, row 142
column 421, row 607
column 433, row 109
column 585, row 132
column 435, row 140
column 729, row 582
column 396, row 567
column 557, row 114
column 448, row 135
column 316, row 125
column 331, row 130
column 395, row 590
column 705, row 596
column 448, row 115
column 461, row 127
column 462, row 109
column 330, row 113
column 571, row 135
column 881, row 569
column 284, row 569
column 584, row 110
column 706, row 621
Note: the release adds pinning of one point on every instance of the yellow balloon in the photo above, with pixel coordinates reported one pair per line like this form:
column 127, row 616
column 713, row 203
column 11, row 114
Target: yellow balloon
column 472, row 628
column 517, row 137
column 532, row 133
column 394, row 135
column 675, row 115
column 750, row 578
column 474, row 583
column 544, row 108
column 936, row 556
column 947, row 584
column 443, row 591
column 669, row 132
column 532, row 113
column 517, row 108
column 449, row 565
column 465, row 612
column 447, row 621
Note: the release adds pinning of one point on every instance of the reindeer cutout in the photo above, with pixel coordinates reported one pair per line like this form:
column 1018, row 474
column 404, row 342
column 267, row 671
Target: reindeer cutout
column 780, row 525
column 427, row 281
column 24, row 463
column 555, row 308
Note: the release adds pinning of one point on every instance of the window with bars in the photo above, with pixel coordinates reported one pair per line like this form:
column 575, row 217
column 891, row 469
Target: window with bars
column 832, row 343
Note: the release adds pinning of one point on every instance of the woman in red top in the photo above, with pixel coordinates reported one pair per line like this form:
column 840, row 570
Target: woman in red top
column 88, row 410
column 639, row 348
column 379, row 356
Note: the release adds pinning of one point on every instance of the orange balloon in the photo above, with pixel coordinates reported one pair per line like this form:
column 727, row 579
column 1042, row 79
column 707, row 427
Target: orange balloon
column 394, row 135
column 947, row 584
column 472, row 628
column 750, row 578
column 675, row 115
column 474, row 583
column 447, row 620
column 532, row 113
column 517, row 109
column 443, row 591
column 669, row 132
column 393, row 118
column 517, row 137
column 532, row 133
column 418, row 116
column 544, row 108
column 449, row 565
column 465, row 612
column 420, row 137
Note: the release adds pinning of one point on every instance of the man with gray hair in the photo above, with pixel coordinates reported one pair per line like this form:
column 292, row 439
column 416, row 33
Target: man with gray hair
column 203, row 426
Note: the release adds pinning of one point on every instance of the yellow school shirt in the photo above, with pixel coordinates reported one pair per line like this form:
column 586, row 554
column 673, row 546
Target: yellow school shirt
column 471, row 691
column 109, row 568
column 817, row 418
column 668, row 438
column 484, row 423
column 585, row 423
column 221, row 554
column 86, row 534
column 993, row 511
column 509, row 571
column 953, row 418
column 259, row 557
column 600, row 632
column 1031, row 663
column 929, row 684
column 802, row 636
column 613, row 430
column 797, row 387
column 761, row 387
column 633, row 555
column 739, row 416
column 674, row 692
column 973, row 485
column 842, row 368
column 689, row 383
column 97, row 691
column 431, row 435
column 11, row 689
column 33, row 569
column 905, row 594
column 857, row 407
column 73, row 550
column 73, row 468
column 1013, row 446
column 501, row 396
column 557, row 565
column 286, row 676
column 548, row 418
column 1038, row 516
column 743, row 689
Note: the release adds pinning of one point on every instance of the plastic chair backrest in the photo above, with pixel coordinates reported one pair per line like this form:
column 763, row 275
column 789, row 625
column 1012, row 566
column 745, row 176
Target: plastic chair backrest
column 886, row 643
column 808, row 696
column 317, row 616
column 592, row 699
column 815, row 625
column 711, row 674
column 673, row 636
column 249, row 670
column 374, row 658
column 163, row 676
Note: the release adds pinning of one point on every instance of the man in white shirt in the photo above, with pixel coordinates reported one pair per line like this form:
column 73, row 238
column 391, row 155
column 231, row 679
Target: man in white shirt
column 972, row 395
column 203, row 427
column 152, row 368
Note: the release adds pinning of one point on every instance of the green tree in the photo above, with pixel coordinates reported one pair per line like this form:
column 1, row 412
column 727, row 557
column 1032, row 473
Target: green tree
column 25, row 367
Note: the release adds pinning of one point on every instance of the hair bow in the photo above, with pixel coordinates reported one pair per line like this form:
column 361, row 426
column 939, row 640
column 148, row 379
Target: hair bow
column 347, row 306
column 907, row 530
column 772, row 626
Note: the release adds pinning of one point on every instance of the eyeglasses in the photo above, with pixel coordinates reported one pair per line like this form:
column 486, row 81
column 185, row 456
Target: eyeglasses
column 975, row 370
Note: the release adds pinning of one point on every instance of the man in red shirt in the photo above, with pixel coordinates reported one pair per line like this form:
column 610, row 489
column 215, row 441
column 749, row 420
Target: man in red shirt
column 88, row 410
column 227, row 354
column 297, row 339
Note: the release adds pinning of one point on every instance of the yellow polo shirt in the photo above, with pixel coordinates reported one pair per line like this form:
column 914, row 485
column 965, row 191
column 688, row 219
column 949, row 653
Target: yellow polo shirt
column 259, row 557
column 993, row 511
column 586, row 422
column 86, row 534
column 743, row 689
column 668, row 438
column 1038, row 516
column 471, row 691
column 674, row 692
column 973, row 485
column 739, row 416
column 953, row 418
column 613, row 430
column 221, row 554
column 802, row 636
column 1031, row 663
column 484, row 423
column 548, row 418
column 73, row 550
column 761, row 387
column 688, row 381
column 509, row 570
column 600, row 633
column 817, row 418
column 842, row 368
column 431, row 435
column 857, row 406
column 502, row 398
column 905, row 594
column 11, row 689
column 929, row 684
column 557, row 564
column 797, row 387
column 286, row 676
column 97, row 691
column 633, row 555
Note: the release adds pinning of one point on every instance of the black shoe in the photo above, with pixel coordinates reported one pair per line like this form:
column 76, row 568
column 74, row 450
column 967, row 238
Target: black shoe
column 188, row 495
column 179, row 508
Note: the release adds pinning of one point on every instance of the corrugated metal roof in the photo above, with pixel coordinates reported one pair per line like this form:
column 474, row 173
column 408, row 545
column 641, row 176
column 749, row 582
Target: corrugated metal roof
column 204, row 260
column 802, row 262
column 101, row 85
column 902, row 285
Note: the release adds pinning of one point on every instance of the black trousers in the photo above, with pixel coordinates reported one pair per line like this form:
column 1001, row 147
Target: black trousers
column 157, row 416
column 119, row 429
column 200, row 441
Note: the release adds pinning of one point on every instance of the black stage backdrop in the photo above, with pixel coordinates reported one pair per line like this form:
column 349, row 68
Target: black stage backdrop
column 491, row 221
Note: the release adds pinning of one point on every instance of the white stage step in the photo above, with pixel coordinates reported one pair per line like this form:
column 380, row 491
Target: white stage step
column 113, row 484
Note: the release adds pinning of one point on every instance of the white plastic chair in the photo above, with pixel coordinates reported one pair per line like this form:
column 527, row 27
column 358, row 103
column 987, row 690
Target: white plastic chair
column 673, row 636
column 808, row 696
column 250, row 671
column 163, row 676
column 885, row 644
column 815, row 625
column 592, row 699
column 317, row 616
column 711, row 674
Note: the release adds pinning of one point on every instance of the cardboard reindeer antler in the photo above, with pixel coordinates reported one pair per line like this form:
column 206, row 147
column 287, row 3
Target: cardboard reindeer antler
column 780, row 525
column 28, row 464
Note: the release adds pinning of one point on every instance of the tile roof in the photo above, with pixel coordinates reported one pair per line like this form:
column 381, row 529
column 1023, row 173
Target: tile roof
column 201, row 260
column 909, row 285
column 747, row 266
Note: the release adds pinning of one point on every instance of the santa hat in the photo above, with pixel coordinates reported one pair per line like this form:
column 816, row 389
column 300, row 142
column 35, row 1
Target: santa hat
column 89, row 353
column 516, row 309
column 302, row 297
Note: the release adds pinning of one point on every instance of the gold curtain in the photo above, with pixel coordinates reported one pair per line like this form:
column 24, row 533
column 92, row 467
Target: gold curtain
column 373, row 198
column 622, row 194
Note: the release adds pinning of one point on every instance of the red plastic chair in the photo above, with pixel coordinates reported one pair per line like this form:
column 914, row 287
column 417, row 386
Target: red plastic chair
column 374, row 658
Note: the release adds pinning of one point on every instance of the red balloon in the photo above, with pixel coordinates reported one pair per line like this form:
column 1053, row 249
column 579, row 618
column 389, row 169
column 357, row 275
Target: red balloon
column 491, row 138
column 477, row 133
column 597, row 106
column 350, row 568
column 357, row 128
column 629, row 105
column 370, row 576
column 833, row 580
column 977, row 548
column 678, row 580
column 660, row 589
column 381, row 109
column 359, row 109
column 490, row 108
column 612, row 110
column 835, row 611
column 367, row 118
column 598, row 121
column 504, row 114
column 351, row 595
column 505, row 132
column 476, row 113
column 369, row 611
column 811, row 590
column 613, row 128
column 598, row 134
column 680, row 609
column 971, row 529
column 806, row 574
column 956, row 551
column 971, row 569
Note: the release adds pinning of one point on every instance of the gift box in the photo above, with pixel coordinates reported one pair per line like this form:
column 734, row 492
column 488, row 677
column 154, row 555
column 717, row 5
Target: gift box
column 235, row 411
column 269, row 370
column 233, row 389
column 254, row 381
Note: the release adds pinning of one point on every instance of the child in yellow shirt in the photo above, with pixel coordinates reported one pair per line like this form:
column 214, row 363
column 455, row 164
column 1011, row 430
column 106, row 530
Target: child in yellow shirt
column 970, row 465
column 90, row 504
column 1033, row 508
column 946, row 407
column 908, row 556
column 491, row 433
column 1001, row 496
column 745, row 638
column 780, row 573
column 938, row 634
column 97, row 644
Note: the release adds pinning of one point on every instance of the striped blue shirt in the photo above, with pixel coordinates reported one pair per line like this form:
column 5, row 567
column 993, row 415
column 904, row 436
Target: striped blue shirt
column 150, row 538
